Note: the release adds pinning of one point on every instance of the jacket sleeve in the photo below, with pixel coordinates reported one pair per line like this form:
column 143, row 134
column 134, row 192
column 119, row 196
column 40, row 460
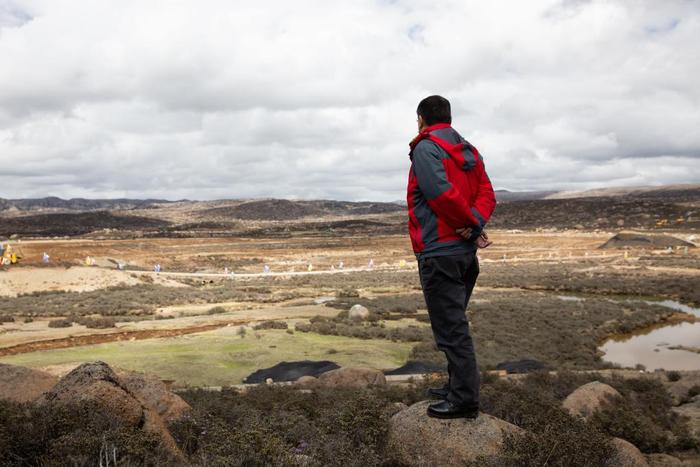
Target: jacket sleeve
column 485, row 202
column 443, row 197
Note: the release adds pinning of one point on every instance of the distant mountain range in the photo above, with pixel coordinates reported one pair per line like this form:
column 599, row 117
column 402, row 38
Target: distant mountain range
column 688, row 190
column 289, row 209
column 668, row 207
column 53, row 203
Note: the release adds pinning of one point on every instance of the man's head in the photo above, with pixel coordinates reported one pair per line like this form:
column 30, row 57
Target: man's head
column 432, row 110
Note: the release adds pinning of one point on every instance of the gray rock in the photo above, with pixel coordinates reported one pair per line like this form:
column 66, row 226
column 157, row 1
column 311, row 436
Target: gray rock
column 415, row 439
column 352, row 377
column 626, row 454
column 692, row 411
column 358, row 313
column 307, row 382
column 585, row 400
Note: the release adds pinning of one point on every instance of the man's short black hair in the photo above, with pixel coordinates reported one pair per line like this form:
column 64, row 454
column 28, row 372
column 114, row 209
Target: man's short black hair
column 435, row 109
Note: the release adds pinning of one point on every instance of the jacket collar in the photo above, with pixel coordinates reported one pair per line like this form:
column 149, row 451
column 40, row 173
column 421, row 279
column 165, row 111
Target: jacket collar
column 425, row 133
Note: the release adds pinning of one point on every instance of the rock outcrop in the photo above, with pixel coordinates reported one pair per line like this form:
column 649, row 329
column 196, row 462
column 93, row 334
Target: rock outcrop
column 585, row 400
column 20, row 384
column 352, row 377
column 154, row 394
column 130, row 400
column 415, row 439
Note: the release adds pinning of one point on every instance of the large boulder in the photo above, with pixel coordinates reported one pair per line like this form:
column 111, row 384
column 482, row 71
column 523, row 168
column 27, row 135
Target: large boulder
column 352, row 377
column 306, row 382
column 98, row 385
column 626, row 454
column 20, row 384
column 415, row 439
column 585, row 400
column 154, row 394
column 358, row 313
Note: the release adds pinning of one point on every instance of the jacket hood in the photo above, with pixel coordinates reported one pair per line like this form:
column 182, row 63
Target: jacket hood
column 460, row 151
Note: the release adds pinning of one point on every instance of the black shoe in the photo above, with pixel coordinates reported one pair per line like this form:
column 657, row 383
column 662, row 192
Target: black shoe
column 437, row 393
column 447, row 409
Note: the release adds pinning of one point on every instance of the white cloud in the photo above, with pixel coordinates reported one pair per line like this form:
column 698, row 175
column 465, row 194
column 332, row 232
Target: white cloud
column 316, row 98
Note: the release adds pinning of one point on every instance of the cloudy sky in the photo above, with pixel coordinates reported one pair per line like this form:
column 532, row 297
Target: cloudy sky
column 316, row 99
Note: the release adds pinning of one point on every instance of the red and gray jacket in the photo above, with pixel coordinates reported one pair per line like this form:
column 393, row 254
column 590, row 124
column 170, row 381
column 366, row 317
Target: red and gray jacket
column 448, row 188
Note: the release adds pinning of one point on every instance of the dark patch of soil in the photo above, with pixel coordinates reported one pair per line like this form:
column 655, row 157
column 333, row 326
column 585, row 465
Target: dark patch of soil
column 283, row 209
column 521, row 366
column 414, row 367
column 593, row 213
column 291, row 371
column 71, row 224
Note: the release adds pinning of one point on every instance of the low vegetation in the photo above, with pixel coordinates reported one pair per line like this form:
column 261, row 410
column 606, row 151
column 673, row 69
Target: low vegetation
column 506, row 325
column 133, row 301
column 346, row 427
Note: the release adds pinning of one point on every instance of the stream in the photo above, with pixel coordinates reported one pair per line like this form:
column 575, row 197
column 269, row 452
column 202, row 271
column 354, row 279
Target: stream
column 657, row 347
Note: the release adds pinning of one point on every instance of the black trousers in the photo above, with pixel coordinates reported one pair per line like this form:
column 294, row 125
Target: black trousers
column 447, row 283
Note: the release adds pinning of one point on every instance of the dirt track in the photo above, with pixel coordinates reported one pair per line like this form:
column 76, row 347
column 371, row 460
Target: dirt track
column 90, row 339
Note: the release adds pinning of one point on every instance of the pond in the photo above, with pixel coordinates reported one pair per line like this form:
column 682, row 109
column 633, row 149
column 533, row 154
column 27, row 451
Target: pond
column 659, row 347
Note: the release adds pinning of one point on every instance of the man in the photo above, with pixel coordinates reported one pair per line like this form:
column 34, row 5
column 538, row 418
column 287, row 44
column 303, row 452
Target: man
column 450, row 199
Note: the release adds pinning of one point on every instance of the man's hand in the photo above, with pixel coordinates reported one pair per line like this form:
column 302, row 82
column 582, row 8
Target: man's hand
column 483, row 240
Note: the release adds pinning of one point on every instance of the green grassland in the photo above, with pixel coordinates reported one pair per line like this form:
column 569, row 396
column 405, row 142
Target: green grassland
column 222, row 357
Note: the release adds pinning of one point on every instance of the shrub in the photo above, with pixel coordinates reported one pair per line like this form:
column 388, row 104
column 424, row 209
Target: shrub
column 673, row 376
column 347, row 293
column 102, row 322
column 216, row 310
column 693, row 391
column 270, row 425
column 6, row 319
column 60, row 323
column 271, row 325
column 71, row 435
